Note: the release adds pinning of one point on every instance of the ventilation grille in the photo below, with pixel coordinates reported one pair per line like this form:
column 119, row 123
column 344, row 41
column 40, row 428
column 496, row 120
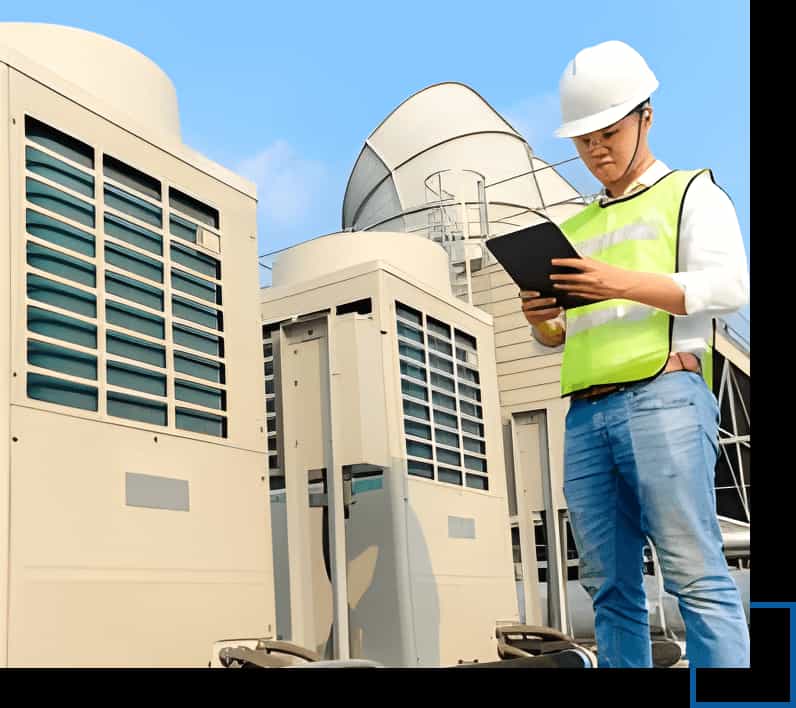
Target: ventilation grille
column 125, row 317
column 441, row 395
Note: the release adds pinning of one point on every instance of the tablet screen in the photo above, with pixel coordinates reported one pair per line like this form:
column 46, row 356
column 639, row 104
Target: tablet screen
column 526, row 254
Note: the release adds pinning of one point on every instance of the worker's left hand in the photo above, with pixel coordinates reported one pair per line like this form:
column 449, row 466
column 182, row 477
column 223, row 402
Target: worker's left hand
column 596, row 280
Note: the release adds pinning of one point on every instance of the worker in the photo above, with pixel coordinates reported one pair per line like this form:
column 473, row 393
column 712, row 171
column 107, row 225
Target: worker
column 662, row 256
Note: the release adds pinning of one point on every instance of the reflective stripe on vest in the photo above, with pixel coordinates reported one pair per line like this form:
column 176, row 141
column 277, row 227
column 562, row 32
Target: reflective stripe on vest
column 632, row 312
column 632, row 232
column 619, row 341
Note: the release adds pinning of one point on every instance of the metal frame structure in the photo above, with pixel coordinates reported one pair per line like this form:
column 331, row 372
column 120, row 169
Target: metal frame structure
column 734, row 430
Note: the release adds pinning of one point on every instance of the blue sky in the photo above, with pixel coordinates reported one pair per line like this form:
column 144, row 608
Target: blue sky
column 286, row 93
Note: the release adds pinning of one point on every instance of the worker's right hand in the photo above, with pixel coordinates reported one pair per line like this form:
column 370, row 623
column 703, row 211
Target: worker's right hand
column 538, row 309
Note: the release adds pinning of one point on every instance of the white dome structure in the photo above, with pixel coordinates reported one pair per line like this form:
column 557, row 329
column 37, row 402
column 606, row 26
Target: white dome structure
column 436, row 147
column 447, row 166
column 120, row 75
column 109, row 79
column 423, row 259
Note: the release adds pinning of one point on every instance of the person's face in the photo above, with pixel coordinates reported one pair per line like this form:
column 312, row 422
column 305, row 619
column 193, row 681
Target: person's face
column 607, row 152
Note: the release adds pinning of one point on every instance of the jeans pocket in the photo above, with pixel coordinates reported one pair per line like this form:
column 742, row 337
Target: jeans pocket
column 666, row 392
column 660, row 402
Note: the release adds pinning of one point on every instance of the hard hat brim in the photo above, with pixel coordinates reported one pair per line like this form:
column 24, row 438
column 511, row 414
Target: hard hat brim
column 611, row 115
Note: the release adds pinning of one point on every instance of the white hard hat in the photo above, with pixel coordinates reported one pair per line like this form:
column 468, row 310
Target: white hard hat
column 600, row 86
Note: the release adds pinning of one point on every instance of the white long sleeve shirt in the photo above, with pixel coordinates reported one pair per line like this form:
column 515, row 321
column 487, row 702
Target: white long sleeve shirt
column 713, row 267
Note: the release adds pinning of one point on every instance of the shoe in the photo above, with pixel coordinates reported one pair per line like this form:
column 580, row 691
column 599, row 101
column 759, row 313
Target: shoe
column 665, row 653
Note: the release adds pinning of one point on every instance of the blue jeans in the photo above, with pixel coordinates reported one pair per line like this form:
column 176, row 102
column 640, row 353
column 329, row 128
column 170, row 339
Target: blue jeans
column 640, row 462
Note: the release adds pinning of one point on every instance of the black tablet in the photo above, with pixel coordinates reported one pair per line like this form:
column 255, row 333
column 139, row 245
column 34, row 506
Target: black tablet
column 526, row 254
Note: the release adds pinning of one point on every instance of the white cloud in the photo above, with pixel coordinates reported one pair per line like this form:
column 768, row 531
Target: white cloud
column 287, row 184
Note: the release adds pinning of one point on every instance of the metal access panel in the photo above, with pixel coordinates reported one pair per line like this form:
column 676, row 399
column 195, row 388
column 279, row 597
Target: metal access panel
column 136, row 531
column 305, row 426
column 358, row 391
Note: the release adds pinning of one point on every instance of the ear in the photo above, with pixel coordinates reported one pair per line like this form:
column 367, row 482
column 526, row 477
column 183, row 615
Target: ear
column 646, row 117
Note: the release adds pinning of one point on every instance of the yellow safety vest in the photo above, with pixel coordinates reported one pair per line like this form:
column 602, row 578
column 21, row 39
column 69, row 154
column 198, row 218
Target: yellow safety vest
column 618, row 341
